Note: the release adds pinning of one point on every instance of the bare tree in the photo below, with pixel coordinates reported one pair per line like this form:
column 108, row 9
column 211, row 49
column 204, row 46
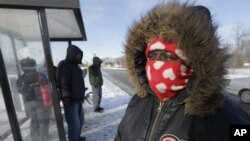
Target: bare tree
column 246, row 54
column 121, row 61
column 241, row 36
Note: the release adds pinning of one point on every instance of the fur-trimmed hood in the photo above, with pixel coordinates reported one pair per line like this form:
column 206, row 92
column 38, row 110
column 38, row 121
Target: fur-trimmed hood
column 196, row 36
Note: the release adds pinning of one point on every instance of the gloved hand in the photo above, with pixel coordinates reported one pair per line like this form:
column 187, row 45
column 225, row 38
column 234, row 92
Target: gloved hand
column 67, row 101
column 86, row 97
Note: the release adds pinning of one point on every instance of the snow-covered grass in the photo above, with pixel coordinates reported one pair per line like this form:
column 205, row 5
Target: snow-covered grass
column 238, row 73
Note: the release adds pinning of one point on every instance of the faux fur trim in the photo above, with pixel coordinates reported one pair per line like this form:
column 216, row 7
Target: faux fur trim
column 192, row 33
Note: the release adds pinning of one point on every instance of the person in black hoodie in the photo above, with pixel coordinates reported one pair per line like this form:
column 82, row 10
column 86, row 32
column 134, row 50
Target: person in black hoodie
column 71, row 88
column 174, row 59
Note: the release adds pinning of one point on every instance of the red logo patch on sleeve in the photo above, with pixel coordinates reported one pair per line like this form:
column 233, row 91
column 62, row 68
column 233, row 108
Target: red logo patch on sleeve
column 169, row 137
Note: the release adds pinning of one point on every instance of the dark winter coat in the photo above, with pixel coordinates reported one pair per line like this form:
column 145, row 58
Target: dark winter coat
column 146, row 120
column 28, row 83
column 69, row 75
column 198, row 113
column 28, row 86
column 95, row 74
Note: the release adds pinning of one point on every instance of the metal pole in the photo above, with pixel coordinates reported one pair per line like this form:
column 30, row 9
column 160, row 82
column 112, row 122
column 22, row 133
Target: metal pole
column 51, row 74
column 8, row 101
column 69, row 42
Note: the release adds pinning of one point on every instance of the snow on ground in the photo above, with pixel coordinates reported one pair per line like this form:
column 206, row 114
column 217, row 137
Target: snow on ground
column 238, row 73
column 103, row 126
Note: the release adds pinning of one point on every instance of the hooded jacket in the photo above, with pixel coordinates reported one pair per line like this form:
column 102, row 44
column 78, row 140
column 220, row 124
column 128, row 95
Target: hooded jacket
column 198, row 113
column 95, row 74
column 27, row 83
column 69, row 75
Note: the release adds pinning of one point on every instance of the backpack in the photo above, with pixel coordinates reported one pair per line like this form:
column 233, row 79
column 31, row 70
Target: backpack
column 45, row 90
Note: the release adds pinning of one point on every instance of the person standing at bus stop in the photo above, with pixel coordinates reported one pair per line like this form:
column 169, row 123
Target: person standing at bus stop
column 175, row 61
column 71, row 88
column 96, row 82
column 37, row 100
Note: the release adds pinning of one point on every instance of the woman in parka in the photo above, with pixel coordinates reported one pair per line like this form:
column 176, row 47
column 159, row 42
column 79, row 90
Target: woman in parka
column 174, row 59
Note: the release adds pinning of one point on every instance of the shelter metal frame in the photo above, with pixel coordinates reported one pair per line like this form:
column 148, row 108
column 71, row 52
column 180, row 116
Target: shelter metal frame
column 48, row 58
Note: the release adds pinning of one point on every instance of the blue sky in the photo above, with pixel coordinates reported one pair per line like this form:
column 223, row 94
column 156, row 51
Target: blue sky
column 107, row 21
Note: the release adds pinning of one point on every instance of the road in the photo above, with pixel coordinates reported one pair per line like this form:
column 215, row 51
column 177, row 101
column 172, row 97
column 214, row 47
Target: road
column 121, row 79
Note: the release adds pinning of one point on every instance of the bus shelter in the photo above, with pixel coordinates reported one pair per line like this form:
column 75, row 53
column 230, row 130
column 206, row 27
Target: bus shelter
column 27, row 29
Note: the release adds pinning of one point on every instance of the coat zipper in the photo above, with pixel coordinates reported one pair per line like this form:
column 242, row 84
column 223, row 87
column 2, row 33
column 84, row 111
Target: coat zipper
column 152, row 128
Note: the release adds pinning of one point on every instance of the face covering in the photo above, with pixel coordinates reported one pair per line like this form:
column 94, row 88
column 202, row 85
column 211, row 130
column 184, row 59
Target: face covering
column 166, row 78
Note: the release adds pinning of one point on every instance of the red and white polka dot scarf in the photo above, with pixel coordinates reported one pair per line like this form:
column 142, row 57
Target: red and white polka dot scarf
column 166, row 78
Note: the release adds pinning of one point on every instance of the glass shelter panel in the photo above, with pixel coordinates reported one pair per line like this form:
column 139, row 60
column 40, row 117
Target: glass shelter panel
column 4, row 124
column 23, row 54
column 62, row 24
